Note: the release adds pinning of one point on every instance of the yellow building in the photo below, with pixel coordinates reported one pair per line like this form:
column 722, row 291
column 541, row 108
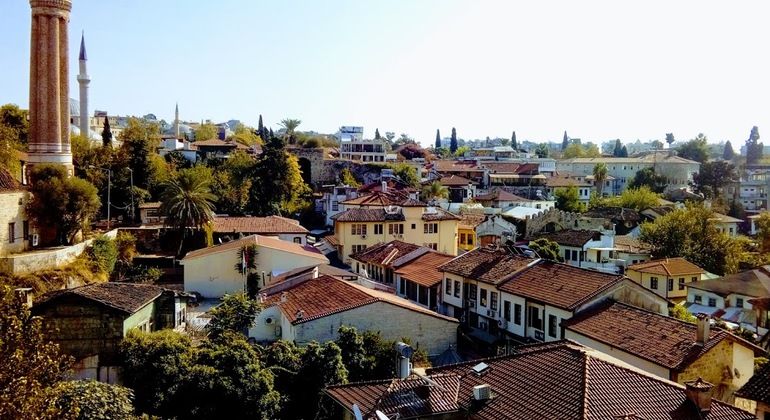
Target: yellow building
column 667, row 277
column 412, row 221
column 466, row 231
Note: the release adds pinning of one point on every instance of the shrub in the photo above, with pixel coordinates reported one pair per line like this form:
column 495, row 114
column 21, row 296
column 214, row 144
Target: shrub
column 104, row 254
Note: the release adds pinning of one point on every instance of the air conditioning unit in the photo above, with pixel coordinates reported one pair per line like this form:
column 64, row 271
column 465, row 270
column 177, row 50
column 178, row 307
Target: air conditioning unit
column 35, row 239
column 502, row 324
column 482, row 392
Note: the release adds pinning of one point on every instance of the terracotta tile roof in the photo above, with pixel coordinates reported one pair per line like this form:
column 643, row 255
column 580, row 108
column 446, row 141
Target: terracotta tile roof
column 667, row 267
column 500, row 195
column 392, row 185
column 723, row 218
column 755, row 283
column 259, row 240
column 571, row 237
column 471, row 220
column 8, row 182
column 125, row 297
column 456, row 166
column 626, row 243
column 561, row 380
column 512, row 168
column 758, row 386
column 486, row 264
column 424, row 270
column 662, row 340
column 558, row 182
column 559, row 285
column 438, row 214
column 615, row 214
column 325, row 295
column 258, row 225
column 454, row 181
column 381, row 199
column 332, row 240
column 384, row 253
column 367, row 215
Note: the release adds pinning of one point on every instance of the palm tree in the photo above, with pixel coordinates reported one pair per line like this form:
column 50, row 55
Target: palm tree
column 435, row 190
column 289, row 125
column 187, row 202
column 600, row 175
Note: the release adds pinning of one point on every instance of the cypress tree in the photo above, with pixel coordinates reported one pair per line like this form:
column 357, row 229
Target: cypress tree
column 565, row 141
column 438, row 140
column 377, row 134
column 514, row 145
column 728, row 153
column 453, row 141
column 753, row 147
column 618, row 148
column 106, row 134
column 259, row 125
column 624, row 152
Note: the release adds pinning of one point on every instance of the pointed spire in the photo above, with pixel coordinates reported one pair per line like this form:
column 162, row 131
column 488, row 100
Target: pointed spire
column 83, row 46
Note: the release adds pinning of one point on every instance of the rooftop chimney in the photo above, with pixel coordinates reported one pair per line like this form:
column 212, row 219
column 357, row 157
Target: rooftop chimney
column 284, row 297
column 704, row 326
column 384, row 186
column 699, row 392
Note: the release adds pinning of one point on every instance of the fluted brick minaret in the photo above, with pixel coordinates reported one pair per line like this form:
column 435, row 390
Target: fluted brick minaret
column 83, row 81
column 49, row 112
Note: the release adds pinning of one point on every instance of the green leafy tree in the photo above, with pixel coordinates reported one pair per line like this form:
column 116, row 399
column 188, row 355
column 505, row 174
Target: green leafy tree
column 762, row 224
column 434, row 190
column 104, row 253
column 16, row 120
column 321, row 365
column 93, row 400
column 691, row 233
column 657, row 145
column 546, row 249
column 542, row 150
column 600, row 177
column 753, row 147
column 279, row 186
column 648, row 178
column 461, row 151
column 236, row 313
column 245, row 135
column 206, row 132
column 30, row 365
column 681, row 313
column 406, row 173
column 187, row 201
column 618, row 148
column 106, row 134
column 728, row 153
column 9, row 150
column 670, row 139
column 349, row 179
column 438, row 140
column 565, row 141
column 63, row 204
column 712, row 176
column 696, row 149
column 290, row 126
column 453, row 141
column 568, row 199
column 139, row 143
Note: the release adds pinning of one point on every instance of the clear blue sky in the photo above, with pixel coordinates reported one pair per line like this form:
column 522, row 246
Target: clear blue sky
column 598, row 69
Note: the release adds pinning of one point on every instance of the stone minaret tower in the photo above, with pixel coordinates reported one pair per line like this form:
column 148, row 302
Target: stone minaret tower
column 83, row 81
column 176, row 121
column 49, row 111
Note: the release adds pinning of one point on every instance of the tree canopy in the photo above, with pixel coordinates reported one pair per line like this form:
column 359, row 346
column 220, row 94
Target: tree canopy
column 696, row 149
column 728, row 153
column 647, row 177
column 754, row 148
column 453, row 141
column 632, row 198
column 568, row 199
column 546, row 248
column 236, row 313
column 712, row 176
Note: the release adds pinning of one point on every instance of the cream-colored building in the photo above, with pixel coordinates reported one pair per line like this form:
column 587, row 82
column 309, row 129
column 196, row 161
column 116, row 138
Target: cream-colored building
column 14, row 226
column 313, row 309
column 412, row 221
column 667, row 277
column 667, row 347
column 212, row 271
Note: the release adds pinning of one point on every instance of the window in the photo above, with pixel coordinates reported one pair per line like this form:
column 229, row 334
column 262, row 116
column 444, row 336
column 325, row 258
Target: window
column 396, row 229
column 25, row 229
column 507, row 310
column 297, row 240
column 483, row 300
column 739, row 302
column 378, row 229
column 422, row 295
column 533, row 318
column 462, row 239
column 457, row 288
column 493, row 301
column 430, row 227
column 654, row 283
column 431, row 245
column 670, row 284
column 11, row 232
column 358, row 248
column 693, row 279
column 358, row 229
column 517, row 314
column 698, row 299
column 335, row 206
column 552, row 326
column 472, row 291
column 448, row 286
column 470, row 239
column 414, row 226
column 712, row 302
column 681, row 283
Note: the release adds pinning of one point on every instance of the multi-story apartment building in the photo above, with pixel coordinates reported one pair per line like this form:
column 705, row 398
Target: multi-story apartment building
column 353, row 146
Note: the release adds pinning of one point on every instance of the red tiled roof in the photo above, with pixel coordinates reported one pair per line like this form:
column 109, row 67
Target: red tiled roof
column 570, row 237
column 471, row 220
column 512, row 168
column 662, row 340
column 125, row 297
column 486, row 264
column 667, row 267
column 259, row 240
column 499, row 195
column 559, row 285
column 558, row 182
column 456, row 166
column 381, row 199
column 384, row 253
column 8, row 182
column 454, row 181
column 424, row 270
column 325, row 295
column 367, row 215
column 755, row 282
column 562, row 380
column 258, row 225
column 438, row 214
column 758, row 387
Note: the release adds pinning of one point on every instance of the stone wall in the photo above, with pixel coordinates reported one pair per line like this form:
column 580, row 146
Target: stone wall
column 715, row 367
column 324, row 171
column 43, row 259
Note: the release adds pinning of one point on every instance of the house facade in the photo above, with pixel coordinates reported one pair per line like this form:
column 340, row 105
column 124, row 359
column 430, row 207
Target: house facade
column 283, row 228
column 668, row 277
column 15, row 235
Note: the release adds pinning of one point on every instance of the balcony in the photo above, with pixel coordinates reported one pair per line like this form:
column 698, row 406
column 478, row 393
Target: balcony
column 613, row 266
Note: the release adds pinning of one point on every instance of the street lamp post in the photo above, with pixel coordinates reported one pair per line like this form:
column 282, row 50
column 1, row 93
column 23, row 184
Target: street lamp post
column 133, row 219
column 109, row 188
